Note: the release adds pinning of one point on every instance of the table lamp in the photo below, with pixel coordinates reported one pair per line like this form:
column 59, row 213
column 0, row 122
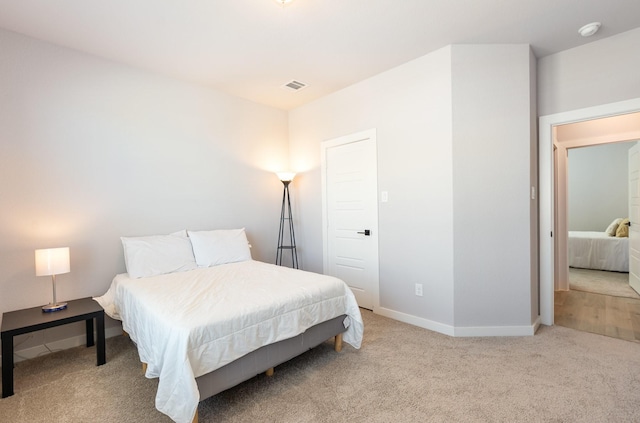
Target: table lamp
column 53, row 261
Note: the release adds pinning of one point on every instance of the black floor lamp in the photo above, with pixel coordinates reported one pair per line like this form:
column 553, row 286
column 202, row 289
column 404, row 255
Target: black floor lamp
column 285, row 216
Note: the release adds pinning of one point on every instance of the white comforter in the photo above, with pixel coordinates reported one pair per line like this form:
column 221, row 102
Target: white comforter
column 598, row 250
column 190, row 323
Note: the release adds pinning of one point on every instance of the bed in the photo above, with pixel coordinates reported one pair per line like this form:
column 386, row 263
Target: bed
column 599, row 251
column 207, row 325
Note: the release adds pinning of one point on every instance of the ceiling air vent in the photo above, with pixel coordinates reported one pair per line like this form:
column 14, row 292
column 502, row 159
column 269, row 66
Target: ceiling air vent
column 294, row 85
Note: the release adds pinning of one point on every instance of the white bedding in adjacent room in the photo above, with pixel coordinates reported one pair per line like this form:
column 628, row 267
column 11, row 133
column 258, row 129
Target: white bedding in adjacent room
column 187, row 324
column 598, row 250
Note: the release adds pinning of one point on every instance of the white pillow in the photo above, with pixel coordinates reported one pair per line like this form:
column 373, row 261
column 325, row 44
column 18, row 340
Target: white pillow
column 158, row 254
column 212, row 248
column 613, row 227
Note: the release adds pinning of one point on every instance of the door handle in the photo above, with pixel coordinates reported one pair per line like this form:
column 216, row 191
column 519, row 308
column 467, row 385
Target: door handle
column 366, row 232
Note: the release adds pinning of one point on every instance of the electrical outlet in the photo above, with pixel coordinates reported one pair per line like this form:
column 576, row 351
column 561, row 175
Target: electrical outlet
column 419, row 289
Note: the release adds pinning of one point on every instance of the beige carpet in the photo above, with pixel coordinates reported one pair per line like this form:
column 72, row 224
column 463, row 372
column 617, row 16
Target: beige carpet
column 601, row 282
column 401, row 374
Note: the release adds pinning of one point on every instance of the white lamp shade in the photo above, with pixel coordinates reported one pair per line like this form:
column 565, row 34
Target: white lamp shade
column 286, row 176
column 52, row 261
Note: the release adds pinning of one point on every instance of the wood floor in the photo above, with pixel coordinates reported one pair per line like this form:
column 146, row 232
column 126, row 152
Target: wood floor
column 617, row 317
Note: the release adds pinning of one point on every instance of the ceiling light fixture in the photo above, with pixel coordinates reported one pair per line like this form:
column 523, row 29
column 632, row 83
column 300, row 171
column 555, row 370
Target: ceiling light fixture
column 283, row 2
column 589, row 29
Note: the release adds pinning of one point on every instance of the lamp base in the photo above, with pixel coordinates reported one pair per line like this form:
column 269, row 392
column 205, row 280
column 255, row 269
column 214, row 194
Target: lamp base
column 54, row 307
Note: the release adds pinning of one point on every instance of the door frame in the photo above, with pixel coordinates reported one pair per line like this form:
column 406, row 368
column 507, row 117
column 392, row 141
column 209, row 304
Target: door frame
column 546, row 192
column 370, row 136
column 634, row 281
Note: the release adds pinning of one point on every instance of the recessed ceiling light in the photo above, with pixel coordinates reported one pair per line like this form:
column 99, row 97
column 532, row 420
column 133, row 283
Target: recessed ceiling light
column 589, row 29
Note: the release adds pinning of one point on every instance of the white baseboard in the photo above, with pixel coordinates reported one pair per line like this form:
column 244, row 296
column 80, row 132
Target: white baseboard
column 528, row 330
column 76, row 341
column 416, row 321
column 460, row 331
column 62, row 344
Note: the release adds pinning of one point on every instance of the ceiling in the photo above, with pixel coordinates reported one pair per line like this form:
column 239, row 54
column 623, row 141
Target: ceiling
column 250, row 48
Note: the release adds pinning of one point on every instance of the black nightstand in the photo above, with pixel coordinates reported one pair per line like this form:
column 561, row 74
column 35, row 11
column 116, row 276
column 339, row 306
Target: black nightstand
column 32, row 319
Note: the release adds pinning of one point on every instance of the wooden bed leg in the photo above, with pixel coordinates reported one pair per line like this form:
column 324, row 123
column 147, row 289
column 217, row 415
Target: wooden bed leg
column 269, row 372
column 195, row 418
column 338, row 343
column 144, row 368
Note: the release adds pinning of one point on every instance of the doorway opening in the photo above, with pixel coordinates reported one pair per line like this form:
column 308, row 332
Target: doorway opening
column 589, row 133
column 553, row 226
column 598, row 297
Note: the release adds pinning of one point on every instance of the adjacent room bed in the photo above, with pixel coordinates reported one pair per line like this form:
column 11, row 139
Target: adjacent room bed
column 600, row 250
column 214, row 317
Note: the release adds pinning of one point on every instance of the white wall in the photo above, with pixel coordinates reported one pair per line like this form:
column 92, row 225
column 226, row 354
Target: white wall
column 93, row 150
column 410, row 107
column 534, row 210
column 579, row 84
column 458, row 174
column 604, row 71
column 597, row 186
column 492, row 177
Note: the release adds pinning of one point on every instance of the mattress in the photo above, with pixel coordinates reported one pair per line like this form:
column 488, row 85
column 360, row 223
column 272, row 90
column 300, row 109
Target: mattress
column 598, row 250
column 187, row 324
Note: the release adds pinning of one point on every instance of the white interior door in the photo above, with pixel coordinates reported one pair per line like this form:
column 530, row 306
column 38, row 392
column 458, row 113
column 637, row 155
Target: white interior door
column 350, row 214
column 634, row 217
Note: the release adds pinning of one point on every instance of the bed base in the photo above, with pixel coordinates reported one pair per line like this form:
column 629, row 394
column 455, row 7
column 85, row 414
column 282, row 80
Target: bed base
column 265, row 359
